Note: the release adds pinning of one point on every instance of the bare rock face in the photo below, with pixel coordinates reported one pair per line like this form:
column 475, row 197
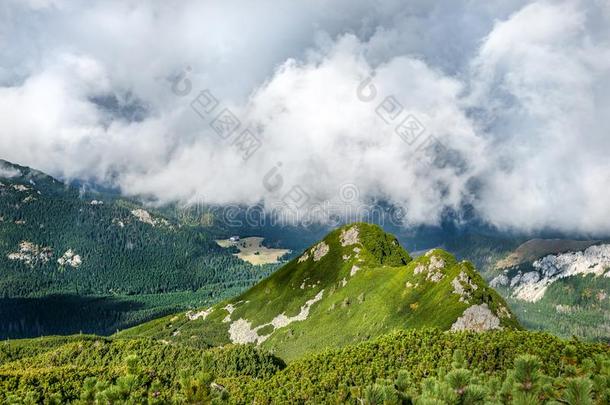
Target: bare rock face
column 70, row 258
column 145, row 217
column 31, row 254
column 434, row 269
column 202, row 314
column 462, row 285
column 477, row 318
column 242, row 332
column 532, row 285
column 21, row 188
column 500, row 281
column 319, row 251
column 349, row 236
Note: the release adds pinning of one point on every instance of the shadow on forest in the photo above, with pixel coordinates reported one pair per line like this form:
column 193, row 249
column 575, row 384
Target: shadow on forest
column 68, row 314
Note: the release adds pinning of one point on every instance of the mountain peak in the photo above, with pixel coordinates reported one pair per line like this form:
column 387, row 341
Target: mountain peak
column 363, row 243
column 359, row 279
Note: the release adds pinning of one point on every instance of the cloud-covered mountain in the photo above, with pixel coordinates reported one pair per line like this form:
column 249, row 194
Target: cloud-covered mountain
column 501, row 107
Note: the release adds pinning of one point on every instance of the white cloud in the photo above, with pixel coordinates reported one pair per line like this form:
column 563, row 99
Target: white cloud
column 8, row 172
column 543, row 77
column 518, row 92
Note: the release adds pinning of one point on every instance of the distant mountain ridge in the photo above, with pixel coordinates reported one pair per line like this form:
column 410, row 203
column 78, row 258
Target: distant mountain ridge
column 561, row 286
column 529, row 282
column 536, row 248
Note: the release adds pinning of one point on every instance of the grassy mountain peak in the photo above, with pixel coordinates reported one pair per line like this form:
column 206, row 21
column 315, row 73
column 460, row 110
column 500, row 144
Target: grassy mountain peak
column 356, row 283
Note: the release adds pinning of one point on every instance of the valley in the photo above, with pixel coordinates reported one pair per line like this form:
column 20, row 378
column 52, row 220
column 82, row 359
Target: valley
column 102, row 263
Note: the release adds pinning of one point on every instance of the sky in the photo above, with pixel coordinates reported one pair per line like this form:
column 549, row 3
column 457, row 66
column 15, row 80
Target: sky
column 498, row 109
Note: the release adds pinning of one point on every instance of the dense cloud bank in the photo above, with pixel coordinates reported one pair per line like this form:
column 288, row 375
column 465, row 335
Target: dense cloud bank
column 502, row 106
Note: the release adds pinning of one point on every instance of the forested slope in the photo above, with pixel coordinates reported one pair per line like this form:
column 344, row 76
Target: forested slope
column 72, row 261
column 403, row 367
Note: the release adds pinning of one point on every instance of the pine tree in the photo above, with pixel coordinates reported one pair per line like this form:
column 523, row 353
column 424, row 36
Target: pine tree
column 577, row 392
column 527, row 374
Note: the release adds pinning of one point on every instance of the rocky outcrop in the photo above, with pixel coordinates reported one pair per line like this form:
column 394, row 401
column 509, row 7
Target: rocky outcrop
column 21, row 188
column 31, row 254
column 433, row 270
column 241, row 331
column 145, row 217
column 319, row 251
column 70, row 258
column 462, row 286
column 192, row 316
column 349, row 236
column 477, row 318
